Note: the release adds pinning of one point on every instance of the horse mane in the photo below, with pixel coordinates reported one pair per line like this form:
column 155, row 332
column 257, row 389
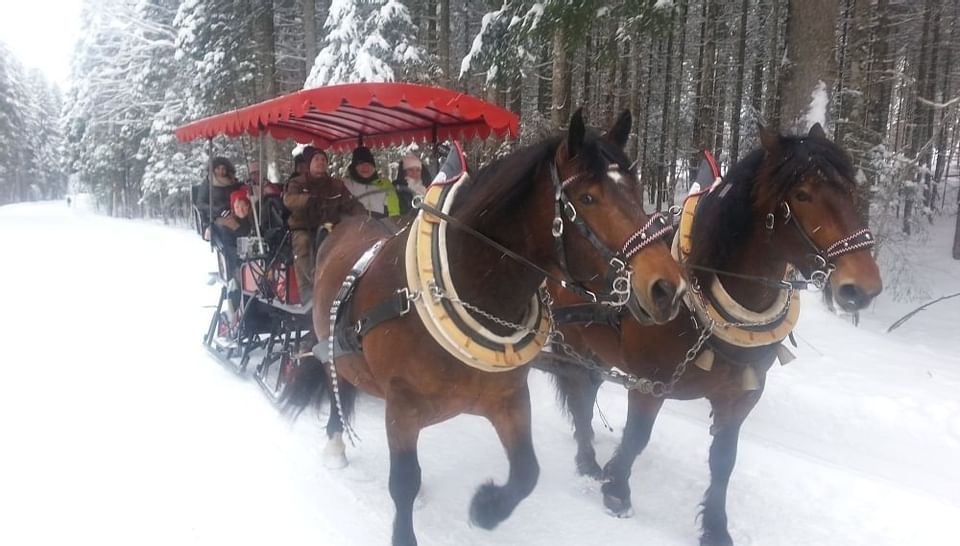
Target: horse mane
column 726, row 216
column 500, row 187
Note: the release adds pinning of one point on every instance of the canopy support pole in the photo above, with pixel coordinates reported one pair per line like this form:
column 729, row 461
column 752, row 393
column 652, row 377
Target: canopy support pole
column 257, row 210
column 209, row 190
column 436, row 151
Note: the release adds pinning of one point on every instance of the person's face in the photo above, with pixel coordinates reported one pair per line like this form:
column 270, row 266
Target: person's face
column 220, row 170
column 241, row 207
column 255, row 176
column 365, row 170
column 318, row 165
column 412, row 173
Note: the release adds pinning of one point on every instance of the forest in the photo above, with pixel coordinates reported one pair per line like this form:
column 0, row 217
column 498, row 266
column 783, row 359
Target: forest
column 697, row 75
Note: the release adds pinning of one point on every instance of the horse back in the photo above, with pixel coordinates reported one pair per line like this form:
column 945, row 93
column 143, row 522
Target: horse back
column 336, row 256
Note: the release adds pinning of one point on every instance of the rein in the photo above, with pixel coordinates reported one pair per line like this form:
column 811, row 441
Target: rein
column 618, row 274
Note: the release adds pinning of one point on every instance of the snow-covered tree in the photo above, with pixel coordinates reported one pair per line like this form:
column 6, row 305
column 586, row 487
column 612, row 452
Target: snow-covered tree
column 366, row 41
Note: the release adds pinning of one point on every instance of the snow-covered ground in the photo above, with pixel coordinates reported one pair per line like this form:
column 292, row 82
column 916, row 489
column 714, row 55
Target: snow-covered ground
column 117, row 428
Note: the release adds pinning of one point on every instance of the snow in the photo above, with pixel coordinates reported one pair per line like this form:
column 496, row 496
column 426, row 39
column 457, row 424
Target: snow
column 118, row 428
column 817, row 111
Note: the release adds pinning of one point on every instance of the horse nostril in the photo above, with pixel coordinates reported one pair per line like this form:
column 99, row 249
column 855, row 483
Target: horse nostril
column 663, row 293
column 852, row 296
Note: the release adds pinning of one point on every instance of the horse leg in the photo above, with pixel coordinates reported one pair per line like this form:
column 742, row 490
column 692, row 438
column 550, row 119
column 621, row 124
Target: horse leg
column 334, row 453
column 403, row 431
column 728, row 416
column 578, row 390
column 642, row 411
column 491, row 503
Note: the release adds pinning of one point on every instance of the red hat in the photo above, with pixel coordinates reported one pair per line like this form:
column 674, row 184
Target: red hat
column 238, row 195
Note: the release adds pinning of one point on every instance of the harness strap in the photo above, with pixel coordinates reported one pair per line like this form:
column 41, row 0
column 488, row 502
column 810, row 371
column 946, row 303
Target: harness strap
column 395, row 306
column 588, row 313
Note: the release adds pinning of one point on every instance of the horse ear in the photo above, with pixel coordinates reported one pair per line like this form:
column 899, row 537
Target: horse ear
column 769, row 140
column 620, row 132
column 817, row 131
column 575, row 133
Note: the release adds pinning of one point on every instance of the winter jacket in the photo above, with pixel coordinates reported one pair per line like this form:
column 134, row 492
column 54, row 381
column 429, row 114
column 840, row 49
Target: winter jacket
column 314, row 201
column 222, row 188
column 378, row 195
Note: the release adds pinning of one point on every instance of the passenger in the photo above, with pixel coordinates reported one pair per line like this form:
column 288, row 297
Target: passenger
column 230, row 226
column 300, row 166
column 315, row 199
column 377, row 194
column 224, row 183
column 410, row 181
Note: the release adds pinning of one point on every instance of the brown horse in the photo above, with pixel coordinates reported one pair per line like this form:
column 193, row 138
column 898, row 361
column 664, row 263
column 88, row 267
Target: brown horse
column 789, row 203
column 561, row 204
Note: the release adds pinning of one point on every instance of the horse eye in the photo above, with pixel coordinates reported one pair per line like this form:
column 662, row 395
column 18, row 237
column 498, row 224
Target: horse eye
column 587, row 199
column 804, row 196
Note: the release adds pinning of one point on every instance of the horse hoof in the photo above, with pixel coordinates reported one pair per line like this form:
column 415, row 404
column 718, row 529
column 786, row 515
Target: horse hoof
column 617, row 508
column 487, row 507
column 589, row 469
column 335, row 453
column 721, row 538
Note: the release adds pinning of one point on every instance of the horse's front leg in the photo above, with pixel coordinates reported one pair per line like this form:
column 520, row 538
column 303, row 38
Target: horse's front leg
column 403, row 432
column 641, row 413
column 510, row 416
column 729, row 413
column 578, row 389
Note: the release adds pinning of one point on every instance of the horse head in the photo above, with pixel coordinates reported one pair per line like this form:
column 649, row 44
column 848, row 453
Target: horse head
column 600, row 224
column 807, row 201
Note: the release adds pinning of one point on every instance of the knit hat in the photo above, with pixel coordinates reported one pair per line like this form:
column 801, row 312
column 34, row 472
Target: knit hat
column 237, row 196
column 362, row 154
column 309, row 152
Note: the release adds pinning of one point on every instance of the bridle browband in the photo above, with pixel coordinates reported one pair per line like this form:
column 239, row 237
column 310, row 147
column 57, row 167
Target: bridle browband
column 618, row 274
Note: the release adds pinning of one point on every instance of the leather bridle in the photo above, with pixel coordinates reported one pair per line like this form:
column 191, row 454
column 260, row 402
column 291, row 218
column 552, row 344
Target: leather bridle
column 617, row 276
column 823, row 259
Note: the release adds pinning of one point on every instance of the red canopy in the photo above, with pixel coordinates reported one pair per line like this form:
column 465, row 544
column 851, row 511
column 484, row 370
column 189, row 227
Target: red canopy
column 338, row 117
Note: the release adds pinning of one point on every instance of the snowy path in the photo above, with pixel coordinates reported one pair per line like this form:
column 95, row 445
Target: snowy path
column 116, row 427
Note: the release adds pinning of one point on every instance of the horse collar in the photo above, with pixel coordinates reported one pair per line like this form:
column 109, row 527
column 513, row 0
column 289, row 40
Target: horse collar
column 712, row 304
column 445, row 316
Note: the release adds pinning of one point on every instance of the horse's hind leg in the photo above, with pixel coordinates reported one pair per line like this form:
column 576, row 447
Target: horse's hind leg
column 641, row 413
column 728, row 416
column 334, row 454
column 491, row 503
column 403, row 431
column 578, row 391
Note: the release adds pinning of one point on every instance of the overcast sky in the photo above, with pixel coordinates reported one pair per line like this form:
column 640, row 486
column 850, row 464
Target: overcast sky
column 41, row 34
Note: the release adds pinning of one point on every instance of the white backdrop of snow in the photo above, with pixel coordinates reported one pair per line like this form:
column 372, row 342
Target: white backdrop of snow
column 118, row 428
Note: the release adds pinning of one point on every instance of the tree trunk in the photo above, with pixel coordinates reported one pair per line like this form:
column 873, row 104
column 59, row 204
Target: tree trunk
column 880, row 88
column 738, row 92
column 771, row 110
column 706, row 121
column 920, row 131
column 664, row 122
column 310, row 50
column 812, row 66
column 443, row 40
column 560, row 107
column 677, row 88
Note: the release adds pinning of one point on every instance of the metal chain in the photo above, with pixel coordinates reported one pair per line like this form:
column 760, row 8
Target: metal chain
column 626, row 379
column 335, row 383
column 695, row 286
column 439, row 293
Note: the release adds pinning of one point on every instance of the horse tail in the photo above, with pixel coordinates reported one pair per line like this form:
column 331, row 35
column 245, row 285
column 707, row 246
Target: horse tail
column 308, row 384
